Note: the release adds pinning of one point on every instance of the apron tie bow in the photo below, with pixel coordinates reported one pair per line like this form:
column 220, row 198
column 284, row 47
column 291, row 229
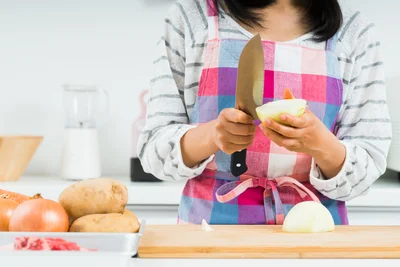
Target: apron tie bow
column 232, row 190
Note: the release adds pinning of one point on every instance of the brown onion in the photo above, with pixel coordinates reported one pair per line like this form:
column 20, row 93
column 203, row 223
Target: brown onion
column 39, row 215
column 7, row 208
column 19, row 198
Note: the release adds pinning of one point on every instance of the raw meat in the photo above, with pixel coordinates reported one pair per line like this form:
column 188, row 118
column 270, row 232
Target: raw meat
column 34, row 243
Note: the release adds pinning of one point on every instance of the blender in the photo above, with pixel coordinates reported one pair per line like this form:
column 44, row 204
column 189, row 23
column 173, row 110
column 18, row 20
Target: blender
column 81, row 154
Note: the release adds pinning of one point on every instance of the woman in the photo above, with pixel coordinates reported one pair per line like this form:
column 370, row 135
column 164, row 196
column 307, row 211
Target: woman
column 333, row 153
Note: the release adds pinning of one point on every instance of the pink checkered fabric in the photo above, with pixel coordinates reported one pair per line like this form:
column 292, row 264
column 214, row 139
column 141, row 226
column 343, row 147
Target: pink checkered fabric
column 258, row 196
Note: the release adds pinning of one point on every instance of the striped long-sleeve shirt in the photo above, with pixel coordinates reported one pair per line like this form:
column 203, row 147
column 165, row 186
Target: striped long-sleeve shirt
column 363, row 126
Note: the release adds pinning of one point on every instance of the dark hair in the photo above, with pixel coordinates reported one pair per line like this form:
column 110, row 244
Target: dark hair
column 323, row 17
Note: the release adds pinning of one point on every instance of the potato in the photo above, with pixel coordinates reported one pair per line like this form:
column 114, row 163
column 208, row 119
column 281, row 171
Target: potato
column 107, row 223
column 94, row 196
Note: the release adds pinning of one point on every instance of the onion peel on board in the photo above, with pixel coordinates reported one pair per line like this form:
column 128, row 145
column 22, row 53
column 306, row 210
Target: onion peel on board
column 205, row 226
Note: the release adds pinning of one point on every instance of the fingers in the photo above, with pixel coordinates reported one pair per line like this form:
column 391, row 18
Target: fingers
column 226, row 137
column 235, row 130
column 302, row 121
column 272, row 135
column 292, row 144
column 236, row 116
column 239, row 129
column 229, row 148
column 236, row 122
column 282, row 141
column 284, row 130
column 230, row 143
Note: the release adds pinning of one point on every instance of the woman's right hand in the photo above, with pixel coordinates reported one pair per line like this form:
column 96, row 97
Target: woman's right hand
column 233, row 131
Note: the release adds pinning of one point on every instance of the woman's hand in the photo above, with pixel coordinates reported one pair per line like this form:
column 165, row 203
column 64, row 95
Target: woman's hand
column 307, row 134
column 233, row 131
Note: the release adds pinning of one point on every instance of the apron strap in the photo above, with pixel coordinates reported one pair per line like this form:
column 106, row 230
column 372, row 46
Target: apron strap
column 279, row 213
column 331, row 43
column 289, row 181
column 232, row 190
column 212, row 13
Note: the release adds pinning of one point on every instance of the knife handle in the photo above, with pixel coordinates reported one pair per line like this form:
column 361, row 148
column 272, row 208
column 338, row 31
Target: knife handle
column 238, row 163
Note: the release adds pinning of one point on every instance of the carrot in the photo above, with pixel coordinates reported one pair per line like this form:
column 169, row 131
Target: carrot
column 19, row 198
column 287, row 94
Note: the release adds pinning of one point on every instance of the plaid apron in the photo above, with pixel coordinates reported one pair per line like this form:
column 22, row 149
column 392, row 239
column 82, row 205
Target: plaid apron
column 277, row 179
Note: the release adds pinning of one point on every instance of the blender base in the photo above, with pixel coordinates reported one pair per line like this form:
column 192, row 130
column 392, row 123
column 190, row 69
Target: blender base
column 138, row 174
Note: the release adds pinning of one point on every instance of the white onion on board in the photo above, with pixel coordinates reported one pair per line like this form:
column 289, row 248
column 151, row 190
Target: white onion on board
column 308, row 217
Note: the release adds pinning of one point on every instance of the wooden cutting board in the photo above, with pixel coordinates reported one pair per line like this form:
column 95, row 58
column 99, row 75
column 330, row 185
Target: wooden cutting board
column 240, row 241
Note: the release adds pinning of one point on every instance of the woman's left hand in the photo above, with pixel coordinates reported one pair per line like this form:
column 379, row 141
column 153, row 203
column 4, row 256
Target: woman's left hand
column 305, row 134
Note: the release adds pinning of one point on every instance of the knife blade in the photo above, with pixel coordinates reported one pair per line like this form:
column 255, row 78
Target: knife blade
column 249, row 91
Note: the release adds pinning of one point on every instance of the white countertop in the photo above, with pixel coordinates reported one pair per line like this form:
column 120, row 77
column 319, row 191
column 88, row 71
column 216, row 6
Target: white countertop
column 259, row 262
column 68, row 261
column 384, row 193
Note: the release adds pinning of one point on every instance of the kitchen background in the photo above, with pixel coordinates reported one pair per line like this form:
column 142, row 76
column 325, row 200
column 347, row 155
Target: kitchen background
column 44, row 44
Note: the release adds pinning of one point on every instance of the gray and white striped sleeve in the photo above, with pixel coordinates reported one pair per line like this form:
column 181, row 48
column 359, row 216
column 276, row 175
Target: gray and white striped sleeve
column 363, row 125
column 167, row 121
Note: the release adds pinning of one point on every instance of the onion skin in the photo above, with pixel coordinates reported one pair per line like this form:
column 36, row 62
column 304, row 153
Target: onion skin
column 287, row 94
column 39, row 215
column 7, row 208
column 19, row 198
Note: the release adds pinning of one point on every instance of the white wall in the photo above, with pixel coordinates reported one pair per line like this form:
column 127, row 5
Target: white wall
column 384, row 14
column 44, row 44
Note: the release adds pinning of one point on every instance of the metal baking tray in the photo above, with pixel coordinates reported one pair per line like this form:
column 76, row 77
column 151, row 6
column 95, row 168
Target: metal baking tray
column 111, row 248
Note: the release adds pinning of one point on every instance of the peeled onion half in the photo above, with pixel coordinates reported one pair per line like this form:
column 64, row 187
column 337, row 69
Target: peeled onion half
column 308, row 217
column 272, row 110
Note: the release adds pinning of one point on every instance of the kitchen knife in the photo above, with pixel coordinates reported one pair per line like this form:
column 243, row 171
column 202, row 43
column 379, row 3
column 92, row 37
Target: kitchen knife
column 249, row 91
